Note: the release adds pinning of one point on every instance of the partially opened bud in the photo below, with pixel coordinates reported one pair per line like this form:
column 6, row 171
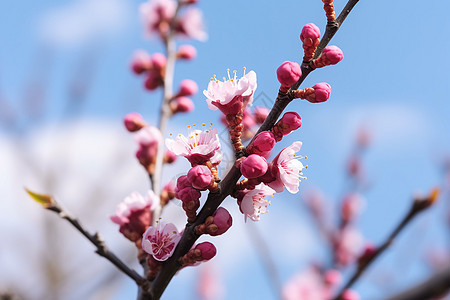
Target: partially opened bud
column 331, row 55
column 254, row 166
column 159, row 61
column 133, row 122
column 288, row 73
column 188, row 87
column 141, row 62
column 222, row 220
column 207, row 249
column 263, row 144
column 181, row 105
column 200, row 177
column 186, row 52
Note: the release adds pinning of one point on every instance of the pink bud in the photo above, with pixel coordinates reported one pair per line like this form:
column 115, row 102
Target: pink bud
column 254, row 166
column 187, row 88
column 260, row 113
column 288, row 73
column 333, row 53
column 133, row 122
column 310, row 31
column 141, row 62
column 263, row 144
column 169, row 157
column 159, row 61
column 186, row 52
column 351, row 207
column 182, row 182
column 181, row 105
column 291, row 121
column 208, row 250
column 322, row 92
column 188, row 194
column 332, row 277
column 200, row 177
column 223, row 220
column 350, row 295
column 153, row 80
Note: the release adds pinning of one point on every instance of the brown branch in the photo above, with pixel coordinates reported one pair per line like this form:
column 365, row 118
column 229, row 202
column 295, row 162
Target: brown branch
column 98, row 242
column 228, row 184
column 436, row 286
column 418, row 206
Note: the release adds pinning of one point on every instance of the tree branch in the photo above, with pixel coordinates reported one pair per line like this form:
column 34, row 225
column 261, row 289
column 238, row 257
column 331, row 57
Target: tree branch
column 437, row 285
column 227, row 185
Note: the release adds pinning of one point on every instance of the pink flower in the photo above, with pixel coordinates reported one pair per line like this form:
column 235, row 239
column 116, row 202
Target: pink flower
column 305, row 286
column 156, row 15
column 287, row 169
column 133, row 122
column 134, row 214
column 348, row 245
column 233, row 95
column 188, row 87
column 199, row 147
column 200, row 177
column 254, row 166
column 223, row 221
column 253, row 202
column 260, row 114
column 141, row 62
column 186, row 52
column 288, row 73
column 160, row 241
column 191, row 25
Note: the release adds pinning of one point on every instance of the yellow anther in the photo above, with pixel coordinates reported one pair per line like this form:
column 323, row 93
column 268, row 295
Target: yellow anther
column 306, row 157
column 306, row 167
column 203, row 124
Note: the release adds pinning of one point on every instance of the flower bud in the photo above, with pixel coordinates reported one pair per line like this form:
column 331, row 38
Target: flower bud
column 133, row 122
column 223, row 221
column 322, row 92
column 182, row 182
column 331, row 55
column 350, row 295
column 332, row 277
column 207, row 249
column 153, row 80
column 254, row 166
column 181, row 105
column 263, row 144
column 188, row 194
column 186, row 52
column 200, row 177
column 310, row 31
column 159, row 61
column 188, row 87
column 288, row 73
column 260, row 114
column 141, row 62
column 169, row 157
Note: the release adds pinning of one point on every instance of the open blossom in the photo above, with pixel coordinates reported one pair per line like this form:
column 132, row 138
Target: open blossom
column 160, row 241
column 198, row 147
column 157, row 14
column 191, row 25
column 134, row 214
column 254, row 203
column 287, row 169
column 233, row 95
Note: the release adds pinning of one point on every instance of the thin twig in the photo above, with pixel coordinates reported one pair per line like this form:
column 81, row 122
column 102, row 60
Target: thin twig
column 226, row 186
column 98, row 242
column 436, row 286
column 416, row 208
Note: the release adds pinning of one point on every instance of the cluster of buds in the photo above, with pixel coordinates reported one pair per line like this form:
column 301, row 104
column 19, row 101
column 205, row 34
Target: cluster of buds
column 152, row 67
column 160, row 18
column 180, row 102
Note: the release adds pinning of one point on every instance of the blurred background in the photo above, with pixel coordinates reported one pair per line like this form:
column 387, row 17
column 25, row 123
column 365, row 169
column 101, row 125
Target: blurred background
column 65, row 85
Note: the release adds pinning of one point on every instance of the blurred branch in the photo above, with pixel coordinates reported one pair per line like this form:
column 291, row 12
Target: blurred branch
column 50, row 204
column 437, row 285
column 268, row 263
column 227, row 185
column 419, row 205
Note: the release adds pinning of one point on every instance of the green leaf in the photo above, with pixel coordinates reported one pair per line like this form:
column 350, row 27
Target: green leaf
column 45, row 200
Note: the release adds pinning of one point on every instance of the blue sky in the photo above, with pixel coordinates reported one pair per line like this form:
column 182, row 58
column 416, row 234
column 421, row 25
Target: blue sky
column 394, row 80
